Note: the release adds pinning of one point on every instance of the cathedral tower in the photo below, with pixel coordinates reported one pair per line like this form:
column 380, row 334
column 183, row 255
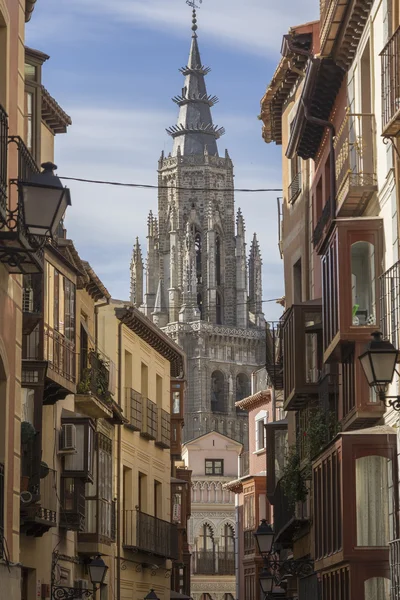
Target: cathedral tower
column 200, row 288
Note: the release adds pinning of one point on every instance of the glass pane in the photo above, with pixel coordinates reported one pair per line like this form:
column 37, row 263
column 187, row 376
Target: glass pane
column 377, row 588
column 280, row 452
column 69, row 488
column 373, row 496
column 30, row 72
column 176, row 403
column 363, row 284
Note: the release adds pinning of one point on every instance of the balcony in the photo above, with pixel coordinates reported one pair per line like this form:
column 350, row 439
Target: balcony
column 3, row 162
column 285, row 522
column 59, row 352
column 302, row 353
column 209, row 562
column 134, row 409
column 149, row 535
column 100, row 524
column 351, row 265
column 164, row 429
column 390, row 304
column 249, row 541
column 390, row 57
column 32, row 302
column 323, row 226
column 273, row 354
column 150, row 421
column 38, row 517
column 19, row 251
column 93, row 397
column 356, row 180
column 394, row 562
column 294, row 189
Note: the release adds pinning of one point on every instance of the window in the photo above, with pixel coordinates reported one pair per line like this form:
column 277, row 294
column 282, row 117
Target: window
column 198, row 249
column 157, row 499
column 218, row 318
column 144, row 377
column 218, row 259
column 60, row 310
column 33, row 102
column 248, row 510
column 214, row 467
column 200, row 304
column 363, row 283
column 242, row 386
column 142, row 491
column 81, row 464
column 297, row 282
column 159, row 391
column 261, row 437
column 217, row 391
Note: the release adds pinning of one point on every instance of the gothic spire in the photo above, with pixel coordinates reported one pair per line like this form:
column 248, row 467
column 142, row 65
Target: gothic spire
column 195, row 129
column 137, row 275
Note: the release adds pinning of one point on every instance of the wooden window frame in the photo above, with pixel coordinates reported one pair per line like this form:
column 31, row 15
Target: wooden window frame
column 213, row 462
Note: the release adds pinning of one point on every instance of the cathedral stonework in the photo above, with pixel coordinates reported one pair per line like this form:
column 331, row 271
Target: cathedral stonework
column 199, row 286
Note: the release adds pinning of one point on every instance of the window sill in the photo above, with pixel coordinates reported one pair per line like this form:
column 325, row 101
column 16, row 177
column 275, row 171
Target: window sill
column 258, row 452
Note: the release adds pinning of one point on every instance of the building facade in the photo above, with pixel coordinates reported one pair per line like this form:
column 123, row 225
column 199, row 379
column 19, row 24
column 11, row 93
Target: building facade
column 213, row 461
column 200, row 286
column 150, row 544
column 332, row 105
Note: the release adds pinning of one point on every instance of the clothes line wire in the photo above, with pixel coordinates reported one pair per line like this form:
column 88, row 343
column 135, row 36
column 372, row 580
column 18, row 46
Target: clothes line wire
column 145, row 186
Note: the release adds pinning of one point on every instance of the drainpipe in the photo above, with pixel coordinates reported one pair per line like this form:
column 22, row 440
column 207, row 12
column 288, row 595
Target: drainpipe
column 332, row 161
column 119, row 461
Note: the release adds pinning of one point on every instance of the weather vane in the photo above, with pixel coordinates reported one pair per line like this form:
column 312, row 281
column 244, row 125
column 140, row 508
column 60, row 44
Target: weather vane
column 193, row 4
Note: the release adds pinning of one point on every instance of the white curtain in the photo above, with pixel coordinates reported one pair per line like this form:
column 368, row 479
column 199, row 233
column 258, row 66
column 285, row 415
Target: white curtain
column 377, row 588
column 372, row 500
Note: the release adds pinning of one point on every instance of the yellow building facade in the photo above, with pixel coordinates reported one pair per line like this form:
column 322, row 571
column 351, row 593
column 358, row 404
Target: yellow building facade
column 146, row 359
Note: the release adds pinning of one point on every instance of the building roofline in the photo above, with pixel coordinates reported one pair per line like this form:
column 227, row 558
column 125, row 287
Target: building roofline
column 258, row 399
column 193, row 440
column 52, row 113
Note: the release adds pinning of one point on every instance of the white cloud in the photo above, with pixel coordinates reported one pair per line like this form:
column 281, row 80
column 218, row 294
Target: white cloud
column 255, row 26
column 123, row 145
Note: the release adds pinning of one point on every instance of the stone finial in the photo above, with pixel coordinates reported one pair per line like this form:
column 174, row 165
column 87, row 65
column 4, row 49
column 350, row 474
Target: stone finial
column 240, row 225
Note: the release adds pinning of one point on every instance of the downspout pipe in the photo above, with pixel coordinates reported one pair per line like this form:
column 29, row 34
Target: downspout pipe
column 119, row 462
column 332, row 160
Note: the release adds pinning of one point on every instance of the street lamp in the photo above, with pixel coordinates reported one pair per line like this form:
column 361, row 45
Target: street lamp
column 379, row 365
column 151, row 596
column 264, row 537
column 44, row 200
column 97, row 571
column 267, row 581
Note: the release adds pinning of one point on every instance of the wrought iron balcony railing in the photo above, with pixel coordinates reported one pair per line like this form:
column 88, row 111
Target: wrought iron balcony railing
column 60, row 353
column 294, row 189
column 390, row 57
column 323, row 223
column 356, row 179
column 95, row 375
column 148, row 534
column 38, row 517
column 394, row 563
column 164, row 429
column 390, row 304
column 212, row 562
column 3, row 160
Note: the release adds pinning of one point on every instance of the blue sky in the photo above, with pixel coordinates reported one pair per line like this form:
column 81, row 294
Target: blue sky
column 114, row 68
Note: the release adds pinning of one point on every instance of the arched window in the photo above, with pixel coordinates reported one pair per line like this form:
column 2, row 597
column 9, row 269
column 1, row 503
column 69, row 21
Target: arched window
column 363, row 283
column 228, row 539
column 242, row 386
column 217, row 391
column 206, row 539
column 198, row 248
column 218, row 316
column 200, row 304
column 227, row 554
column 218, row 259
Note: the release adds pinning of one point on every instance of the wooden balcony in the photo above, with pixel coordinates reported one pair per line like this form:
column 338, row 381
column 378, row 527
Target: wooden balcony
column 37, row 517
column 390, row 57
column 100, row 525
column 294, row 189
column 149, row 535
column 356, row 180
column 351, row 265
column 302, row 353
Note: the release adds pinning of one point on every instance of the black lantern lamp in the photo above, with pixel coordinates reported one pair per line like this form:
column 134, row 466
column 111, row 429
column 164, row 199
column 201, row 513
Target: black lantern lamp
column 45, row 201
column 265, row 538
column 379, row 365
column 97, row 570
column 267, row 581
column 151, row 596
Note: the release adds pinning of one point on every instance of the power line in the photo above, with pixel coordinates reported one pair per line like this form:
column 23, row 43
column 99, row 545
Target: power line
column 145, row 186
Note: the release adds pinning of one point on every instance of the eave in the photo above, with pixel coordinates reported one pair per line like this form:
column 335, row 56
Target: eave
column 286, row 76
column 322, row 83
column 95, row 287
column 29, row 6
column 256, row 400
column 53, row 115
column 153, row 336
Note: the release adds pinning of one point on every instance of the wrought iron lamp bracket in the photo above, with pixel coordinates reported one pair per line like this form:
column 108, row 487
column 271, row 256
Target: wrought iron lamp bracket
column 298, row 568
column 392, row 402
column 59, row 592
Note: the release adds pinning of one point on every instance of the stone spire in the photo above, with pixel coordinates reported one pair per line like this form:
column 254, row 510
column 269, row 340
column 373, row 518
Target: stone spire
column 241, row 272
column 195, row 131
column 152, row 266
column 137, row 275
column 255, row 281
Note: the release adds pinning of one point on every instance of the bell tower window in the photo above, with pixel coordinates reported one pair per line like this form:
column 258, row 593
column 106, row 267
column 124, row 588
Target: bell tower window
column 198, row 248
column 218, row 259
column 218, row 307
